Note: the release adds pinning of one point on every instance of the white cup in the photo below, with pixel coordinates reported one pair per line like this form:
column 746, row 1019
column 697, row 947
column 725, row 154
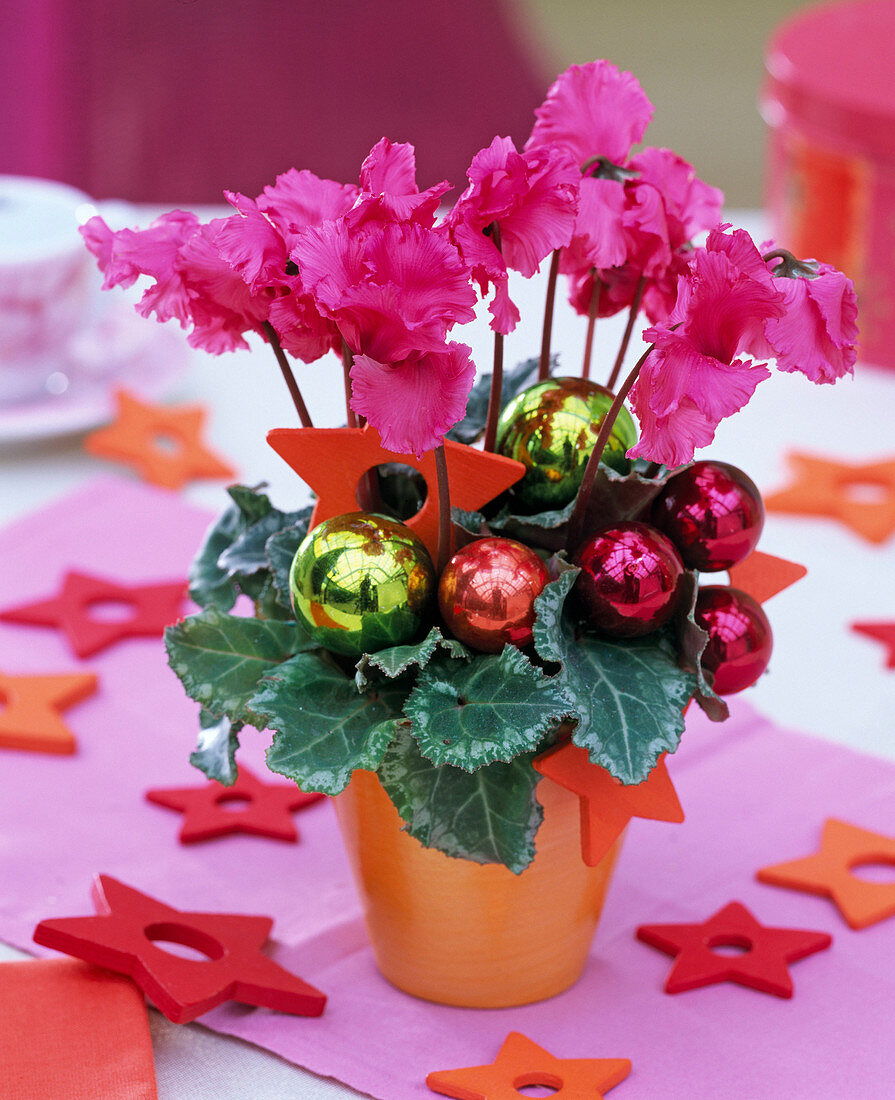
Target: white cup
column 47, row 279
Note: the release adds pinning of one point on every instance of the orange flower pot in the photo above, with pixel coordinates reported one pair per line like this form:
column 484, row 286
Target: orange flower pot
column 470, row 934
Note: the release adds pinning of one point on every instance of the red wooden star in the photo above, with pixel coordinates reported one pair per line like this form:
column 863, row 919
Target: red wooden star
column 830, row 872
column 29, row 710
column 880, row 632
column 821, row 487
column 333, row 460
column 162, row 443
column 125, row 935
column 762, row 966
column 607, row 805
column 523, row 1064
column 72, row 610
column 264, row 810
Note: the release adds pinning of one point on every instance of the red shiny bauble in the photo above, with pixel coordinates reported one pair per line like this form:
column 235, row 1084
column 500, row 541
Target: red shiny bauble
column 713, row 514
column 740, row 638
column 630, row 579
column 487, row 593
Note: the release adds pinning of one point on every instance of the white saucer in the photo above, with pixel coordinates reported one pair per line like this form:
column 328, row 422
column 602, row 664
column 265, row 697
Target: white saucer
column 116, row 348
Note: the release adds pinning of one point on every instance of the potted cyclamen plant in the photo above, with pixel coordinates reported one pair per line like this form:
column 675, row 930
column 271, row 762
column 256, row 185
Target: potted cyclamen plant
column 433, row 670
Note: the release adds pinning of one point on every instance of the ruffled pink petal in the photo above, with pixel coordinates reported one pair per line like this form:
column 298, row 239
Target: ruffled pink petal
column 672, row 440
column 299, row 199
column 413, row 403
column 330, row 259
column 598, row 238
column 677, row 373
column 818, row 333
column 593, row 110
column 543, row 217
column 692, row 206
column 646, row 228
column 250, row 244
column 740, row 249
column 301, row 329
column 388, row 188
column 217, row 336
column 389, row 168
column 128, row 253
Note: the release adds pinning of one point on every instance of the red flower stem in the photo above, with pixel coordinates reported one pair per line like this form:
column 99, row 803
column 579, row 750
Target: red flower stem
column 629, row 328
column 544, row 364
column 579, row 512
column 347, row 360
column 445, row 529
column 592, row 310
column 497, row 370
column 294, row 392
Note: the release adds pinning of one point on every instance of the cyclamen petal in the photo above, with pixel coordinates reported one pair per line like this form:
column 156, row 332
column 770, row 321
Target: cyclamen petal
column 669, row 440
column 301, row 329
column 251, row 245
column 125, row 254
column 598, row 239
column 299, row 199
column 593, row 110
column 388, row 188
column 414, row 402
column 691, row 205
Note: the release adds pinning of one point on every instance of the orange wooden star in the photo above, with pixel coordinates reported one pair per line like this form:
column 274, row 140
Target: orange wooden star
column 763, row 575
column 162, row 443
column 829, row 872
column 607, row 805
column 822, row 487
column 29, row 710
column 333, row 460
column 523, row 1064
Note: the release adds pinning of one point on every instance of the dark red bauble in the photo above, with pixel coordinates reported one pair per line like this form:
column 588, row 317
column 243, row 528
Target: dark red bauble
column 713, row 513
column 740, row 638
column 630, row 579
column 487, row 593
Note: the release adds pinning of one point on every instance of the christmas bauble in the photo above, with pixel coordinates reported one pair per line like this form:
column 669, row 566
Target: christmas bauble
column 487, row 592
column 551, row 428
column 361, row 582
column 740, row 638
column 630, row 579
column 713, row 513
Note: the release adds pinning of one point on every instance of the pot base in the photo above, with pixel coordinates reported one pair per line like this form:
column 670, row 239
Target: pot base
column 469, row 934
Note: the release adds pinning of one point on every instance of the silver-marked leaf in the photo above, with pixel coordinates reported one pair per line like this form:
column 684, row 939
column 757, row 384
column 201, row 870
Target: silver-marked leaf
column 215, row 753
column 396, row 660
column 492, row 708
column 247, row 553
column 210, row 585
column 220, row 658
column 488, row 816
column 325, row 728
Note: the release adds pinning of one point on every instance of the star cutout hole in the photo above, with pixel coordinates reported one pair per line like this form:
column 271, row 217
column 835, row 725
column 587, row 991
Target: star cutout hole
column 167, row 443
column 111, row 610
column 867, row 491
column 538, row 1084
column 233, row 803
column 396, row 488
column 880, row 871
column 729, row 947
column 184, row 942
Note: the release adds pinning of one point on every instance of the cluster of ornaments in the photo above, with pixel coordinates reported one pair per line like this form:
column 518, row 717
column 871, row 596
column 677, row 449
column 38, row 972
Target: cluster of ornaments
column 362, row 582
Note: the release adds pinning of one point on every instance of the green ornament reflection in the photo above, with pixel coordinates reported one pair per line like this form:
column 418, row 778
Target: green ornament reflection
column 362, row 582
column 551, row 428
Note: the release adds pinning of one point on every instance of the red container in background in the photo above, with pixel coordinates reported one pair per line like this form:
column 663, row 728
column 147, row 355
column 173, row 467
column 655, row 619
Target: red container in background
column 829, row 102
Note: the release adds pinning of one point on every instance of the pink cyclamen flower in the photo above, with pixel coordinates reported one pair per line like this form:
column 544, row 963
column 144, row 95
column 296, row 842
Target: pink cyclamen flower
column 699, row 371
column 532, row 197
column 593, row 111
column 388, row 188
column 299, row 199
column 691, row 205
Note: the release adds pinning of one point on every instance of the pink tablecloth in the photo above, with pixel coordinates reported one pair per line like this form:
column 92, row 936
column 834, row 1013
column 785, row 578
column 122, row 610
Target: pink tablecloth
column 753, row 794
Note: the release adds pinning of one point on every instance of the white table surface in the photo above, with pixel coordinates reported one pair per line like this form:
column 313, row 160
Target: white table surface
column 824, row 678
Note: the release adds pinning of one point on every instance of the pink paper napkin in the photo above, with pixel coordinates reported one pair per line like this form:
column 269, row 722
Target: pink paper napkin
column 753, row 795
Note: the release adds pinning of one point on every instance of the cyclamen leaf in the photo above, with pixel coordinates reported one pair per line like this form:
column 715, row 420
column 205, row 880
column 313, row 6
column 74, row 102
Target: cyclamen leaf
column 325, row 728
column 616, row 497
column 280, row 550
column 210, row 585
column 628, row 695
column 247, row 553
column 492, row 708
column 692, row 640
column 396, row 660
column 215, row 753
column 220, row 658
column 488, row 816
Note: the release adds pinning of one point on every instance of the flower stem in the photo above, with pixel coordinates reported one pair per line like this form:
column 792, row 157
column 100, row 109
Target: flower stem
column 294, row 392
column 445, row 529
column 497, row 371
column 347, row 359
column 544, row 364
column 592, row 311
column 629, row 328
column 579, row 512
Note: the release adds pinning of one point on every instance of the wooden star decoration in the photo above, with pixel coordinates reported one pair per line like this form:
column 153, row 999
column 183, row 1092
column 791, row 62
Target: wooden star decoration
column 763, row 576
column 829, row 872
column 72, row 610
column 521, row 1064
column 879, row 632
column 263, row 809
column 606, row 804
column 333, row 460
column 822, row 487
column 162, row 443
column 761, row 966
column 30, row 706
column 124, row 938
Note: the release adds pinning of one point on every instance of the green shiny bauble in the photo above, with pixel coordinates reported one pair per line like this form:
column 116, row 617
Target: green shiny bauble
column 362, row 582
column 551, row 428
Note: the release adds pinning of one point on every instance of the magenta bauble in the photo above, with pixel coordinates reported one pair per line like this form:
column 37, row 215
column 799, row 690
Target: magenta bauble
column 713, row 514
column 630, row 579
column 740, row 638
column 487, row 593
